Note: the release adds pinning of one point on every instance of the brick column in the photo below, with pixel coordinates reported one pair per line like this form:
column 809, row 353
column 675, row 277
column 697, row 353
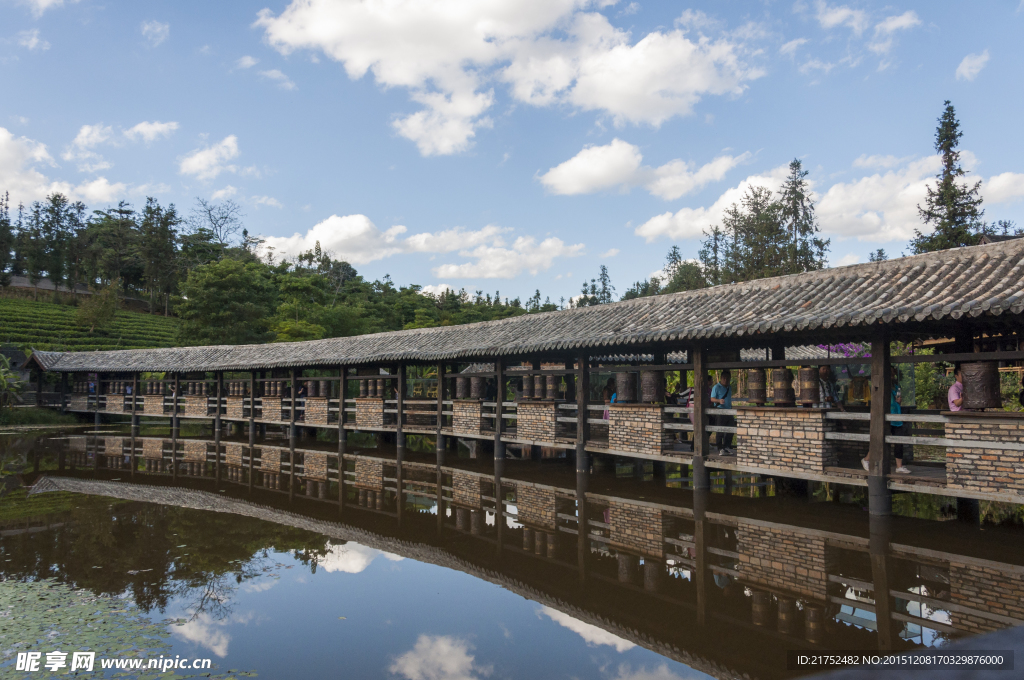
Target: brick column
column 369, row 412
column 466, row 416
column 785, row 438
column 537, row 420
column 235, row 407
column 984, row 469
column 316, row 411
column 638, row 428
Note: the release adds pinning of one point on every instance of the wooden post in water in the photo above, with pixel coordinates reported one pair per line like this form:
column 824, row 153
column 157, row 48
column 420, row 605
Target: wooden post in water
column 701, row 440
column 499, row 399
column 291, row 440
column 582, row 414
column 342, row 436
column 252, row 426
column 218, row 384
column 878, row 548
column 63, row 389
column 700, row 568
column 879, row 458
column 135, row 415
column 400, row 407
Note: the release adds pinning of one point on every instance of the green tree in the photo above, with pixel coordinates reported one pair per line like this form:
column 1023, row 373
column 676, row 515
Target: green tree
column 227, row 303
column 114, row 239
column 100, row 308
column 7, row 237
column 158, row 238
column 806, row 250
column 878, row 256
column 952, row 207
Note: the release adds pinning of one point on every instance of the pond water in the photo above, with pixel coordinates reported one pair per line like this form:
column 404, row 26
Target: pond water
column 106, row 557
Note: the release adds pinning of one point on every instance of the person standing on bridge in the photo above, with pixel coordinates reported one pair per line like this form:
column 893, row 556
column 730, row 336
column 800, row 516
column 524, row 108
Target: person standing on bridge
column 955, row 396
column 721, row 397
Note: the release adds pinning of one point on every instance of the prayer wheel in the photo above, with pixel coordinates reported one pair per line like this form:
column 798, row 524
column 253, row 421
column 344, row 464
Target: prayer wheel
column 757, row 388
column 810, row 391
column 981, row 385
column 552, row 386
column 860, row 390
column 312, row 388
column 539, row 385
column 382, row 391
column 364, row 389
column 814, row 624
column 787, row 615
column 191, row 389
column 760, row 607
column 782, row 384
column 203, row 389
column 652, row 387
column 462, row 388
column 625, row 388
column 528, row 387
column 476, row 387
column 325, row 388
column 371, row 388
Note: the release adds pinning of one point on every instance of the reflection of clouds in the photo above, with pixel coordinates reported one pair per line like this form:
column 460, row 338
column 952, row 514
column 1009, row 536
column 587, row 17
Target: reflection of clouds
column 204, row 631
column 258, row 586
column 440, row 657
column 592, row 634
column 352, row 558
column 660, row 673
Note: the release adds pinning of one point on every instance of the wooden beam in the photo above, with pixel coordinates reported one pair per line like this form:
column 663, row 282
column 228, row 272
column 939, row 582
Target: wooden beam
column 582, row 424
column 881, row 386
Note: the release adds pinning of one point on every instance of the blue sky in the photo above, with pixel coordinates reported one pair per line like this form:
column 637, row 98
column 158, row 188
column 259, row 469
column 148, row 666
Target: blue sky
column 508, row 144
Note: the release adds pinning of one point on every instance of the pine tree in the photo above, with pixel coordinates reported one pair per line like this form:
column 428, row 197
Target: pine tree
column 806, row 249
column 6, row 239
column 952, row 208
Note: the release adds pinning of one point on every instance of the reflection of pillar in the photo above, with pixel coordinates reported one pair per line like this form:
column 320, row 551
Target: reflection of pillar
column 582, row 528
column 814, row 624
column 362, row 498
column 787, row 615
column 653, row 570
column 540, row 543
column 380, row 500
column 968, row 510
column 628, row 565
column 309, row 487
column 461, row 519
column 476, row 522
column 760, row 607
column 552, row 544
column 700, row 504
column 527, row 539
column 878, row 547
column 499, row 505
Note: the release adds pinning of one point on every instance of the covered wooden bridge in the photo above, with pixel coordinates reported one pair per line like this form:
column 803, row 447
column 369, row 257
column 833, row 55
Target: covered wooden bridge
column 550, row 370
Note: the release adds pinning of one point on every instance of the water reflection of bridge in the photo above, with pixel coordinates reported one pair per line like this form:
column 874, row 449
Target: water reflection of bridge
column 668, row 568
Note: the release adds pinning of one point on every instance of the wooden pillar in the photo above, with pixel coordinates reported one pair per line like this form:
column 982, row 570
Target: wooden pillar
column 499, row 400
column 879, row 459
column 63, row 390
column 582, row 413
column 701, row 440
column 570, row 383
column 342, row 434
column 217, row 389
column 291, row 440
column 252, row 413
column 39, row 387
column 440, row 443
column 399, row 408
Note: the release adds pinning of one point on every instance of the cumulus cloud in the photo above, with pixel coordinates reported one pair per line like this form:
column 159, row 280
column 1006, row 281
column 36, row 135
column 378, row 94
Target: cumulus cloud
column 204, row 631
column 792, row 46
column 450, row 55
column 886, row 29
column 155, row 32
column 692, row 222
column 617, row 164
column 352, row 558
column 591, row 634
column 268, row 201
column 210, row 161
column 82, row 147
column 971, row 66
column 247, row 62
column 20, row 159
column 357, row 239
column 226, row 192
column 40, row 6
column 150, row 131
column 283, row 81
column 439, row 657
column 437, row 289
column 830, row 16
column 30, row 40
column 1004, row 188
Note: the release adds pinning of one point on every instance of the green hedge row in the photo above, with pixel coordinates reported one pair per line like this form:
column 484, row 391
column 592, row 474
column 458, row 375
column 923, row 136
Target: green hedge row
column 49, row 326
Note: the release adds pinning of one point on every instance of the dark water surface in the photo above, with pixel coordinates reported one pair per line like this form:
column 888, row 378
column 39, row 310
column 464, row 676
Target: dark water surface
column 670, row 583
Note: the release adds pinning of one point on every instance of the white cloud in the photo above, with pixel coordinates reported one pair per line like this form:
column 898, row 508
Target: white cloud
column 30, row 40
column 617, row 164
column 351, row 558
column 590, row 633
column 226, row 192
column 1004, row 188
column 247, row 62
column 612, row 252
column 449, row 55
column 849, row 258
column 691, row 222
column 204, row 631
column 971, row 66
column 19, row 174
column 500, row 262
column 283, row 81
column 436, row 289
column 210, row 161
column 439, row 657
column 82, row 147
column 792, row 46
column 661, row 672
column 155, row 32
column 885, row 30
column 812, row 65
column 877, row 161
column 40, row 6
column 840, row 15
column 268, row 201
column 149, row 132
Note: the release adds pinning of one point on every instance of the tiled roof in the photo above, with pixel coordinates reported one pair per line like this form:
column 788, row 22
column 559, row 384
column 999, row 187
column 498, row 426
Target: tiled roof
column 980, row 281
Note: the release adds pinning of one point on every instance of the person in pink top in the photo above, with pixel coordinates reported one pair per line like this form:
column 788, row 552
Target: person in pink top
column 956, row 391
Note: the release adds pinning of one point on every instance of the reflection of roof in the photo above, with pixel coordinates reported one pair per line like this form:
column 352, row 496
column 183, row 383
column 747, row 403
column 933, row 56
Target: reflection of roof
column 933, row 287
column 202, row 500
